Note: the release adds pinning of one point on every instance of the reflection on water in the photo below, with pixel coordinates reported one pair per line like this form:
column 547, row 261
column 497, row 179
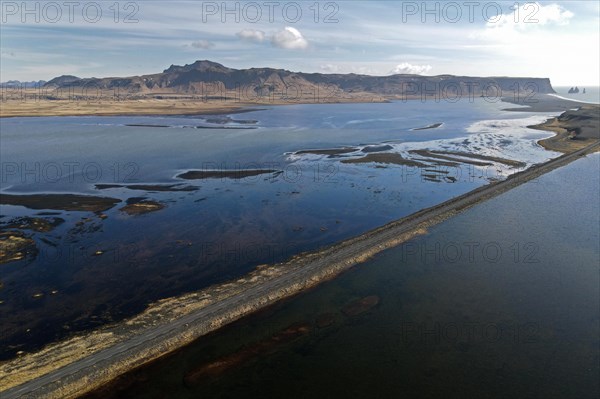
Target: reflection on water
column 100, row 267
column 501, row 301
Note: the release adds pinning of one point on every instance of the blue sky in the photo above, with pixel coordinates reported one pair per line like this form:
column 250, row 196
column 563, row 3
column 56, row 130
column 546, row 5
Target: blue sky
column 559, row 40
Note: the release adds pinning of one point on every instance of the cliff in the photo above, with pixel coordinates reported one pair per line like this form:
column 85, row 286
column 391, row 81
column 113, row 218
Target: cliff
column 210, row 79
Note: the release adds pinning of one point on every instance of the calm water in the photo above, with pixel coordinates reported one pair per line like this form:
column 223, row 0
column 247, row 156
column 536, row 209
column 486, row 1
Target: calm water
column 225, row 227
column 516, row 317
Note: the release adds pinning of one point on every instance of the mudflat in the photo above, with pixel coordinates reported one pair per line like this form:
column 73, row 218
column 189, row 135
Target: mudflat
column 148, row 106
column 62, row 202
column 231, row 301
column 229, row 174
column 170, row 324
column 384, row 158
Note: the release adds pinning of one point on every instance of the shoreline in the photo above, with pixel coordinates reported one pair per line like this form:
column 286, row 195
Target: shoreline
column 157, row 332
column 573, row 129
column 173, row 107
column 155, row 107
column 577, row 126
column 183, row 111
column 545, row 103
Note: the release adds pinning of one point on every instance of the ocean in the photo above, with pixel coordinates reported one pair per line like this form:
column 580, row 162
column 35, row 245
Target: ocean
column 591, row 95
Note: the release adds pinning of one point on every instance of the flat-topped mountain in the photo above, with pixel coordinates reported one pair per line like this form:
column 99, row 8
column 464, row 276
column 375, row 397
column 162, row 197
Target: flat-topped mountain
column 213, row 80
column 63, row 80
column 198, row 66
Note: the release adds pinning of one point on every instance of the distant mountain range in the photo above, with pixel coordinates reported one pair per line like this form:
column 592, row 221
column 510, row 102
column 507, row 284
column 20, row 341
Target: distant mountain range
column 25, row 85
column 212, row 80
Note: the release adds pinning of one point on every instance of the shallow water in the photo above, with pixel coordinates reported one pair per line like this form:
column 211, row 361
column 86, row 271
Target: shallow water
column 225, row 227
column 500, row 301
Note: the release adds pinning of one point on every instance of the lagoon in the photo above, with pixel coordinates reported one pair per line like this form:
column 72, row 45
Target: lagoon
column 99, row 268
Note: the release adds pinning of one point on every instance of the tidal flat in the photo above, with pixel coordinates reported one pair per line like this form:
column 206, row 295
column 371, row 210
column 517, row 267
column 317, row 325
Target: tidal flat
column 490, row 300
column 258, row 196
column 231, row 248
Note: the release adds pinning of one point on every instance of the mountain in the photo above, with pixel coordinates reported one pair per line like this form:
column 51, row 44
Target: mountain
column 23, row 85
column 213, row 80
column 62, row 80
column 198, row 66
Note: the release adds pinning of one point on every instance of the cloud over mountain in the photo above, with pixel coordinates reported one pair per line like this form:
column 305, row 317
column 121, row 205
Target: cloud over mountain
column 407, row 68
column 289, row 38
column 531, row 15
column 203, row 44
column 251, row 35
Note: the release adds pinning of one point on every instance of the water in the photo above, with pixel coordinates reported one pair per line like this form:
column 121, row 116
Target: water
column 225, row 227
column 591, row 95
column 516, row 316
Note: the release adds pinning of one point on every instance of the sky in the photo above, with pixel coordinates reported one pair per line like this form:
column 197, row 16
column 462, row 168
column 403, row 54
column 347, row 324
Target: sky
column 555, row 39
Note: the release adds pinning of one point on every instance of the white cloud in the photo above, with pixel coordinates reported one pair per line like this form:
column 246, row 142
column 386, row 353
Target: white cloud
column 289, row 38
column 361, row 68
column 530, row 15
column 407, row 68
column 524, row 47
column 251, row 35
column 330, row 68
column 461, row 48
column 203, row 44
column 524, row 26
